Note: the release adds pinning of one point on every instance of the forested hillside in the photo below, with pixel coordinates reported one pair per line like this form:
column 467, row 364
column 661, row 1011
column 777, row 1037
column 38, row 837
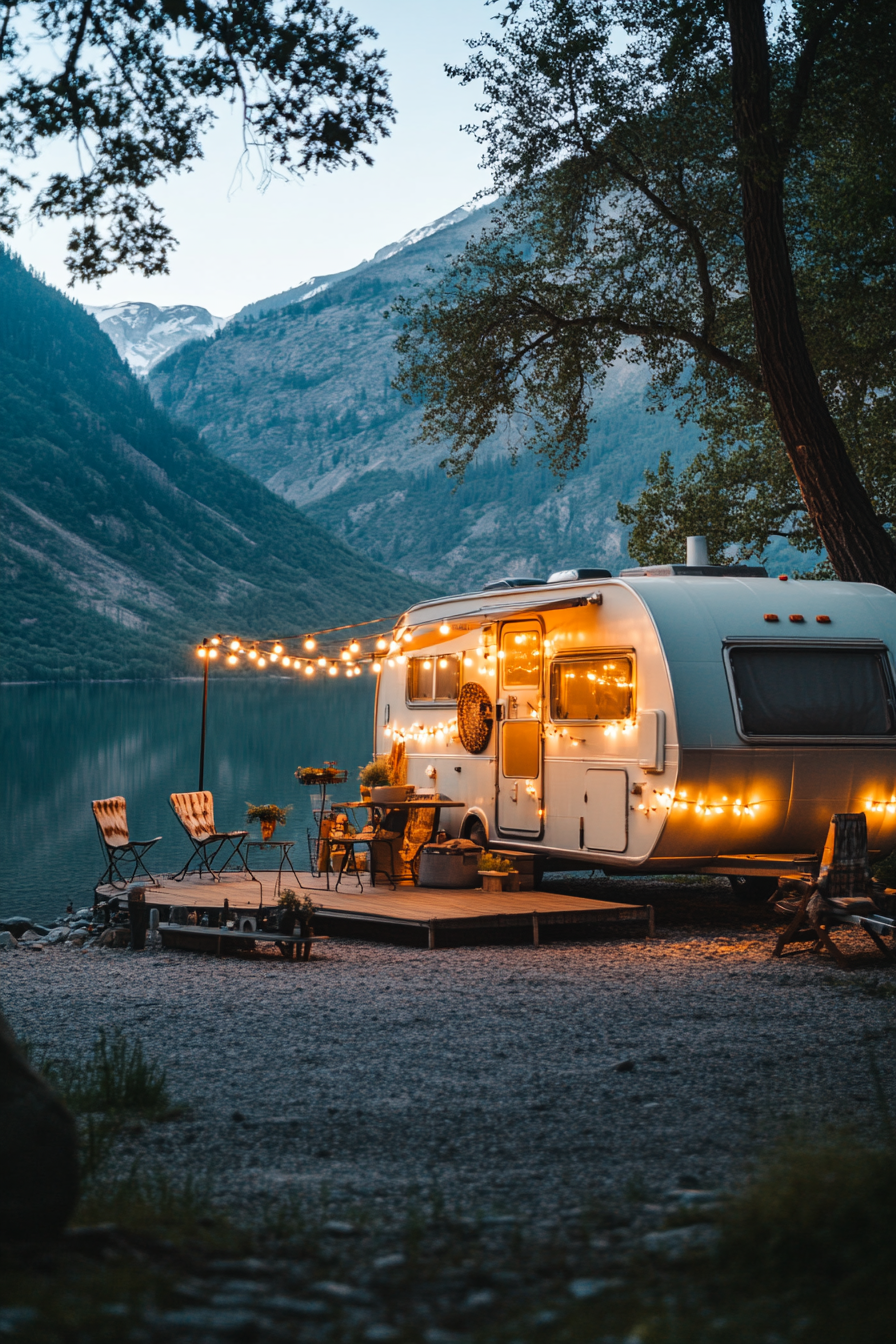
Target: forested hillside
column 125, row 539
column 300, row 396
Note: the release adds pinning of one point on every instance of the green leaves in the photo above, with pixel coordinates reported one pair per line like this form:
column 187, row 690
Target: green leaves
column 130, row 88
column 609, row 131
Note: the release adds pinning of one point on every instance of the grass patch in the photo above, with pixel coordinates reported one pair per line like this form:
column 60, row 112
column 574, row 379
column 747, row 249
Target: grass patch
column 150, row 1205
column 114, row 1078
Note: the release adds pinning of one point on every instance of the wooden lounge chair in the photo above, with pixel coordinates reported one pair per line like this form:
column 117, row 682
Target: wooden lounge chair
column 110, row 815
column 196, row 813
column 843, row 894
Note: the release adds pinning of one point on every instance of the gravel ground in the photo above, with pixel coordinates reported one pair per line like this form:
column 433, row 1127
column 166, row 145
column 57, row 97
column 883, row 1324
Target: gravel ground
column 510, row 1078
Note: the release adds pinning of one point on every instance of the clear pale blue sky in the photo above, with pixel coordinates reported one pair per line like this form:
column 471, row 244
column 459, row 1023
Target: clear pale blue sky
column 238, row 244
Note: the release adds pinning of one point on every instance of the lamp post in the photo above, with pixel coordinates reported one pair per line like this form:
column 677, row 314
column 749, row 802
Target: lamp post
column 204, row 712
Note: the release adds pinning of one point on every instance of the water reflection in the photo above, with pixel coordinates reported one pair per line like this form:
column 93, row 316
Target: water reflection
column 65, row 745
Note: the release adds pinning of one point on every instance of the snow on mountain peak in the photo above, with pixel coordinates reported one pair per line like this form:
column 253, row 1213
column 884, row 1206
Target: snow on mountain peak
column 143, row 333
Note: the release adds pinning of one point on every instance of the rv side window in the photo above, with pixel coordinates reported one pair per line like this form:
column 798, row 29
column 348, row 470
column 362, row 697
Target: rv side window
column 585, row 689
column 806, row 692
column 434, row 678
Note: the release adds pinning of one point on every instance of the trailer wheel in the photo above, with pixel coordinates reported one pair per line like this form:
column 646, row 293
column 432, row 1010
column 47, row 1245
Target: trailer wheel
column 476, row 833
column 753, row 890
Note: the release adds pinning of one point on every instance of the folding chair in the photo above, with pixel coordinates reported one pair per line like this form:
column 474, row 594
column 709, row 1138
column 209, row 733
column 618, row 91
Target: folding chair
column 843, row 893
column 196, row 813
column 110, row 815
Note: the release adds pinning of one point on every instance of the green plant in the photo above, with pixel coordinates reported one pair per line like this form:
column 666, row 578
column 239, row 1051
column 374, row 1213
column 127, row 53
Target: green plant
column 115, row 1079
column 885, row 871
column 267, row 812
column 493, row 863
column 376, row 773
column 301, row 906
column 328, row 773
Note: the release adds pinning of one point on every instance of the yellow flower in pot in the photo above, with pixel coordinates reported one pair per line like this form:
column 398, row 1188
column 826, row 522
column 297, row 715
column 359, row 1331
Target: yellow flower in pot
column 268, row 816
column 498, row 874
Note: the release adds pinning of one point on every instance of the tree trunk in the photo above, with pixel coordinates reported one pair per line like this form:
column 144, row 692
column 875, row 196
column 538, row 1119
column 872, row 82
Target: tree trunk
column 858, row 545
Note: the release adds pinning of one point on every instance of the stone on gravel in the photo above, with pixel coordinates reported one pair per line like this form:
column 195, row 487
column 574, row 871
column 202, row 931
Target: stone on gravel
column 624, row 1066
column 342, row 1292
column 7, row 940
column 583, row 1289
column 337, row 1228
column 55, row 936
column 677, row 1242
column 40, row 1188
column 207, row 1318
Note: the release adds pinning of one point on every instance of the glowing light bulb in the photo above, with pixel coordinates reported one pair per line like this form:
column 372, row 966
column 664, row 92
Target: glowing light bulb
column 407, row 636
column 286, row 662
column 427, row 665
column 443, row 663
column 333, row 670
column 444, row 628
column 232, row 658
column 310, row 644
column 401, row 658
column 376, row 667
column 201, row 652
column 234, row 644
column 216, row 639
column 253, row 653
column 213, row 653
column 278, row 649
column 309, row 669
column 382, row 644
column 262, row 663
column 345, row 655
column 274, row 657
column 354, row 647
column 321, row 662
column 468, row 662
column 391, row 662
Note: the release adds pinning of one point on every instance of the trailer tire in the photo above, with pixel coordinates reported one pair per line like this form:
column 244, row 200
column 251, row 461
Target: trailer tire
column 753, row 890
column 476, row 833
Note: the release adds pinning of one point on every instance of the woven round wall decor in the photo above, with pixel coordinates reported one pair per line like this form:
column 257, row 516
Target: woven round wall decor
column 474, row 717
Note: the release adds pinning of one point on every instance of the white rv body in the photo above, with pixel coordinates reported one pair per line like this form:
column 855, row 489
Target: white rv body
column 676, row 777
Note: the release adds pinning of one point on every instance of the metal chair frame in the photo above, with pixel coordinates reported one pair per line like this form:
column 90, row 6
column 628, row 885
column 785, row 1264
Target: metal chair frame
column 211, row 839
column 132, row 850
column 842, row 894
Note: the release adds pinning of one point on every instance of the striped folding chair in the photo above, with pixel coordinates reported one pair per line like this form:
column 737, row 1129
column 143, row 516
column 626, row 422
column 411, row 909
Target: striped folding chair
column 213, row 849
column 111, row 817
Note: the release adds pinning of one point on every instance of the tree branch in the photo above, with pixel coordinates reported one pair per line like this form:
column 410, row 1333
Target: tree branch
column 805, row 65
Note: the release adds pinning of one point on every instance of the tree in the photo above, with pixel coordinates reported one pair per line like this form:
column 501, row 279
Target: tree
column 130, row 86
column 684, row 188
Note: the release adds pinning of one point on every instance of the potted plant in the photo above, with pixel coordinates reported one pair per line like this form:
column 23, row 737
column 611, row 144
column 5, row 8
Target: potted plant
column 376, row 774
column 268, row 816
column 296, row 909
column 498, row 874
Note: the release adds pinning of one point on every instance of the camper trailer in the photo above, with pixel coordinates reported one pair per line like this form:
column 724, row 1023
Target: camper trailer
column 679, row 718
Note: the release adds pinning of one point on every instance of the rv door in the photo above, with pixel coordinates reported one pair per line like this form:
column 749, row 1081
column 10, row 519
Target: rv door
column 519, row 802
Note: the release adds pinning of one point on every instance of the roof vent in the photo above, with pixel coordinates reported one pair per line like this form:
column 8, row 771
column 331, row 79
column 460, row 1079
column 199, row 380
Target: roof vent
column 697, row 553
column 512, row 583
column 570, row 575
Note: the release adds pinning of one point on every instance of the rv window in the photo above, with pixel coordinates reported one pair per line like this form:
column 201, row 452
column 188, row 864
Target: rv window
column 585, row 689
column 521, row 656
column 806, row 692
column 434, row 677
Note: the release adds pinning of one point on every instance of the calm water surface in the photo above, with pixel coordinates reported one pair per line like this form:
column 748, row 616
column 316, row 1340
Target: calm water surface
column 64, row 745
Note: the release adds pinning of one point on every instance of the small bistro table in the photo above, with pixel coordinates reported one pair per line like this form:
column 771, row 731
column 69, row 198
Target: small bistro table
column 285, row 859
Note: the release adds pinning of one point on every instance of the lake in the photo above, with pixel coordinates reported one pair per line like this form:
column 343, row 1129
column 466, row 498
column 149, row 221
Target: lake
column 66, row 744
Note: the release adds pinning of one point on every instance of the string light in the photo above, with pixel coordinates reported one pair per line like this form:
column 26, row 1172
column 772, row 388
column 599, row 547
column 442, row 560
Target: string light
column 232, row 658
column 333, row 670
column 201, row 652
column 354, row 647
column 235, row 644
column 444, row 628
column 376, row 667
column 286, row 662
column 382, row 644
column 253, row 653
column 216, row 639
column 321, row 662
column 881, row 804
column 345, row 655
column 310, row 644
column 309, row 669
column 261, row 662
column 213, row 653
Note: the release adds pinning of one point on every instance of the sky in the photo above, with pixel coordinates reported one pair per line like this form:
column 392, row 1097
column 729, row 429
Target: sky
column 238, row 244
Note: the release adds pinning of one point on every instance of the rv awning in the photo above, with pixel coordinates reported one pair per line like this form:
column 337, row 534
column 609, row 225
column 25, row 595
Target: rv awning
column 485, row 614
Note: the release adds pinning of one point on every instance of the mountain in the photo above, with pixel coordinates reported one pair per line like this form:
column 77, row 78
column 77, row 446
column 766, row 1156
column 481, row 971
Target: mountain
column 124, row 539
column 143, row 334
column 296, row 391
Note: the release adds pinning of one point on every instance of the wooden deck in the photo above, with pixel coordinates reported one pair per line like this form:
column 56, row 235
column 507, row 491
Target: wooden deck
column 419, row 916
